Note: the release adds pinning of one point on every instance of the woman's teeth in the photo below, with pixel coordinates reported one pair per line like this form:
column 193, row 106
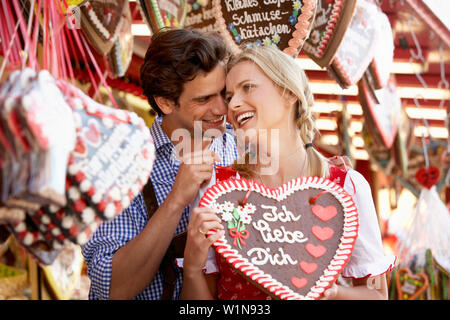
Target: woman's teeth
column 243, row 118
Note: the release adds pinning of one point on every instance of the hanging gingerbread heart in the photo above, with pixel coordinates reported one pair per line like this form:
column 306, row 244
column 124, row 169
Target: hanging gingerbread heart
column 356, row 50
column 331, row 22
column 410, row 285
column 382, row 114
column 285, row 24
column 428, row 177
column 101, row 22
column 119, row 57
column 293, row 241
column 116, row 154
column 200, row 16
column 163, row 13
column 381, row 65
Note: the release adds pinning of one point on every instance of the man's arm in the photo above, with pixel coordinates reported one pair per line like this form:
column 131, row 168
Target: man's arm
column 135, row 265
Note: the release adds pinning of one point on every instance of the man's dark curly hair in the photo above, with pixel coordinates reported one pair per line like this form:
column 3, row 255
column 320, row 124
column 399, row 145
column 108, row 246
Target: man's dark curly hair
column 176, row 56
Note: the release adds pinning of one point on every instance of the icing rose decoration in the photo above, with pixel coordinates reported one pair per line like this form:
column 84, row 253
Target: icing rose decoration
column 236, row 219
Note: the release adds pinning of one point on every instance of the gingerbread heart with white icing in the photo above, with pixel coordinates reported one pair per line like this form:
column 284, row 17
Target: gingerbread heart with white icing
column 163, row 13
column 118, row 155
column 101, row 22
column 357, row 48
column 200, row 16
column 283, row 23
column 330, row 24
column 292, row 241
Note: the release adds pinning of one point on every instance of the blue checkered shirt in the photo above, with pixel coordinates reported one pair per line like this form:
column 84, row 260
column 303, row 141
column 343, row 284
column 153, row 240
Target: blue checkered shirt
column 112, row 235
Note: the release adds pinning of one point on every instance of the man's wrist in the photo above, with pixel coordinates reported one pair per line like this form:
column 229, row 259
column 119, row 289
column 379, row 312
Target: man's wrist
column 174, row 203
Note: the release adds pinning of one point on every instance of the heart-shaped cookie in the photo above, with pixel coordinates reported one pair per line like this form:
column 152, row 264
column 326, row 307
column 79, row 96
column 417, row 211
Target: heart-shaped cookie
column 383, row 112
column 356, row 50
column 428, row 177
column 285, row 24
column 276, row 241
column 331, row 22
column 119, row 58
column 119, row 154
column 200, row 16
column 101, row 22
column 410, row 285
column 381, row 65
column 163, row 13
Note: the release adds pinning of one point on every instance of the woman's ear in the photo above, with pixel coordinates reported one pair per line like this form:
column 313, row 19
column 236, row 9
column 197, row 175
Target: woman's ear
column 291, row 98
column 166, row 105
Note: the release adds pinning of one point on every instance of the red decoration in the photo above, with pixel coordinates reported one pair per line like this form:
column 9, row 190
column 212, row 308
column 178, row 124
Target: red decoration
column 427, row 177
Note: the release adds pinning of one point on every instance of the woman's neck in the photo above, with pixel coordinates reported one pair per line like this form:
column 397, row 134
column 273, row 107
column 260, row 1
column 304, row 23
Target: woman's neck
column 286, row 163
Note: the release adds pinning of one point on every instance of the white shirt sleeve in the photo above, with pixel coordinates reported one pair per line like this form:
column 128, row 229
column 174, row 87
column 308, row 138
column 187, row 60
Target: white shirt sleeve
column 368, row 258
column 211, row 262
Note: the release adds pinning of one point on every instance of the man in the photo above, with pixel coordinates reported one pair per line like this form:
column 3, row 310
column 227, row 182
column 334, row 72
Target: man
column 183, row 77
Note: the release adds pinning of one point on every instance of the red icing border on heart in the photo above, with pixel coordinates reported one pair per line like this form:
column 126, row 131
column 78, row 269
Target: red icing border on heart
column 343, row 253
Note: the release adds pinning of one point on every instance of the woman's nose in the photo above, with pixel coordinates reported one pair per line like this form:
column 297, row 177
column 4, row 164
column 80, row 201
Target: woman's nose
column 234, row 102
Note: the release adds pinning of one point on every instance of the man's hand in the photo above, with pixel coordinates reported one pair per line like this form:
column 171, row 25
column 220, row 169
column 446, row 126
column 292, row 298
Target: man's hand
column 194, row 172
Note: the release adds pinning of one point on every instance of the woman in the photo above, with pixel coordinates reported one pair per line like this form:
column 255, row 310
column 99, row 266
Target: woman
column 267, row 90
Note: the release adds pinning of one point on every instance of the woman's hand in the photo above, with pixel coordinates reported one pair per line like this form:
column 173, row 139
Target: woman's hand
column 331, row 293
column 202, row 220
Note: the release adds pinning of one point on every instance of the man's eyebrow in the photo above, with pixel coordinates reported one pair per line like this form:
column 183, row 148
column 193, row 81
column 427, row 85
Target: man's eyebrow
column 205, row 97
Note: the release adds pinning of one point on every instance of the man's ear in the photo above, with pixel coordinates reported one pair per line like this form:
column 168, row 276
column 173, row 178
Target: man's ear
column 166, row 105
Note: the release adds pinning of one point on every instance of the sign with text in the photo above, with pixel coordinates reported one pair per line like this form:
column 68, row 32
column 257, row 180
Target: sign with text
column 283, row 23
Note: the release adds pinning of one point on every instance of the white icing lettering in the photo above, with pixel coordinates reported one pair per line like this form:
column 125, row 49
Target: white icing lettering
column 263, row 256
column 278, row 235
column 277, row 2
column 252, row 31
column 233, row 5
column 284, row 216
column 246, row 18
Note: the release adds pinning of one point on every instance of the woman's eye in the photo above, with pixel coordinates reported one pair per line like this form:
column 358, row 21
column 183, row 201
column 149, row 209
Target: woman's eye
column 247, row 87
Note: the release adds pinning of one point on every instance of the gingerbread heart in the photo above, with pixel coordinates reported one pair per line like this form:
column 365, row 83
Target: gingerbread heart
column 119, row 58
column 381, row 112
column 356, row 50
column 381, row 65
column 200, row 15
column 101, row 22
column 428, row 177
column 330, row 24
column 285, row 24
column 410, row 285
column 118, row 159
column 163, row 13
column 276, row 241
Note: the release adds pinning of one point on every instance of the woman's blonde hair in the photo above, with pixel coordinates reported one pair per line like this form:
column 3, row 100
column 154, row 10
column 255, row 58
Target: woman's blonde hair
column 288, row 75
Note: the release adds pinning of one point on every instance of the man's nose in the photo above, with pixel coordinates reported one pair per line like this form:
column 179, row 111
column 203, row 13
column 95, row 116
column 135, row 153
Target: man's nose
column 219, row 106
